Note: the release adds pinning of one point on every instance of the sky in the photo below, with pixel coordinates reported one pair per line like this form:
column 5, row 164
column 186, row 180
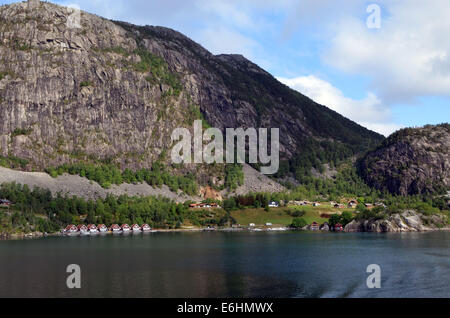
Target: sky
column 384, row 64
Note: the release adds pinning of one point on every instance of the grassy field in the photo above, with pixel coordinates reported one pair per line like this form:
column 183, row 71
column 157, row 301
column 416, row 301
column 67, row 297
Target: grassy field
column 276, row 216
column 279, row 216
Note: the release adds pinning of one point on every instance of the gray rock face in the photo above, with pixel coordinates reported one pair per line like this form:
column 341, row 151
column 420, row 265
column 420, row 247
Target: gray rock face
column 94, row 93
column 83, row 188
column 411, row 161
column 74, row 97
column 407, row 221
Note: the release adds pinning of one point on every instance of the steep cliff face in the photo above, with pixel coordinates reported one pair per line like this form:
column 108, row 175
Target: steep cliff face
column 75, row 93
column 411, row 161
column 113, row 92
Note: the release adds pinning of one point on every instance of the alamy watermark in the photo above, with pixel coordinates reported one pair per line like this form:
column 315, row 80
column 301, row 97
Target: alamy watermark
column 374, row 19
column 213, row 152
column 74, row 16
column 73, row 281
column 374, row 279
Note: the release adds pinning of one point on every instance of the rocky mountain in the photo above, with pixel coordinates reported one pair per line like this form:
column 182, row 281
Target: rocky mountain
column 113, row 92
column 411, row 161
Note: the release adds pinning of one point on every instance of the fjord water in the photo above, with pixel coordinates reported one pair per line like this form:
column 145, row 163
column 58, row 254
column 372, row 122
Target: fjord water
column 219, row 264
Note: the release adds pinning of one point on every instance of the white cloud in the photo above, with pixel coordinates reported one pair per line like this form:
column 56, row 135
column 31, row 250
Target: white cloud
column 368, row 112
column 385, row 129
column 228, row 12
column 220, row 26
column 224, row 41
column 407, row 58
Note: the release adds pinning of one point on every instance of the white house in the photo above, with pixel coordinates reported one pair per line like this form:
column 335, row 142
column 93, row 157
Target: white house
column 83, row 229
column 273, row 204
column 136, row 228
column 92, row 229
column 102, row 228
column 70, row 229
column 125, row 228
column 115, row 228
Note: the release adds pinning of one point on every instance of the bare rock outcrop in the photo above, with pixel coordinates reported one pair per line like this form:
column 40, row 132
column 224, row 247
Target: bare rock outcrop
column 407, row 221
column 411, row 161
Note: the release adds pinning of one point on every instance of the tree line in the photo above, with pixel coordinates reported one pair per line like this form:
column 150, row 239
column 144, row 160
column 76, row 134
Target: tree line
column 107, row 174
column 38, row 210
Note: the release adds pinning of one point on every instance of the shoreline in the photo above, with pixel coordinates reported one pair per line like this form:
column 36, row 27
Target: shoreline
column 37, row 235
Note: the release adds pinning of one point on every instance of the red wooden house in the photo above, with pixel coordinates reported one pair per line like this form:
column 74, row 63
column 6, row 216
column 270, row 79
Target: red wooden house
column 115, row 228
column 102, row 228
column 71, row 229
column 338, row 227
column 136, row 228
column 125, row 228
column 92, row 228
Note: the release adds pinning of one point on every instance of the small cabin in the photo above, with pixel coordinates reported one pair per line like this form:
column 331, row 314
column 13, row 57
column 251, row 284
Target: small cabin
column 82, row 228
column 368, row 205
column 316, row 204
column 338, row 227
column 125, row 227
column 71, row 228
column 115, row 228
column 102, row 228
column 252, row 225
column 314, row 226
column 352, row 204
column 5, row 202
column 274, row 204
column 146, row 228
column 269, row 224
column 136, row 228
column 325, row 227
column 92, row 228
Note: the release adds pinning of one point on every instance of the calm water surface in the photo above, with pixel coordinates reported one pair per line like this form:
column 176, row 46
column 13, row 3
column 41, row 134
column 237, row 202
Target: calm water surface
column 290, row 264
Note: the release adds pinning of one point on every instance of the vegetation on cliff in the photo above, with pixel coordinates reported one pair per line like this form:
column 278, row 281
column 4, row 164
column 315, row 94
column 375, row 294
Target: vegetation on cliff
column 106, row 175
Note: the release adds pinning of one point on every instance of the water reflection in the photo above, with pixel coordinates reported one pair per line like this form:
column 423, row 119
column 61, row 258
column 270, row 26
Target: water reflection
column 228, row 265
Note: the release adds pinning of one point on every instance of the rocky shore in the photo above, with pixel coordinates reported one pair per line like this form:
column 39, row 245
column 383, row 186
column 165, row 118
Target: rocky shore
column 407, row 221
column 20, row 236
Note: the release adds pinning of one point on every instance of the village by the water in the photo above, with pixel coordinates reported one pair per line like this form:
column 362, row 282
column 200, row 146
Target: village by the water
column 316, row 225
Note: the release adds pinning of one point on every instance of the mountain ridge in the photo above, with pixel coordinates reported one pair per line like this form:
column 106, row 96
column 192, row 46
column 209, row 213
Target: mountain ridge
column 112, row 92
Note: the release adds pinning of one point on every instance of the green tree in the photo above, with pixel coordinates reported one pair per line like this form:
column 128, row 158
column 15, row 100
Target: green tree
column 346, row 218
column 298, row 223
column 335, row 219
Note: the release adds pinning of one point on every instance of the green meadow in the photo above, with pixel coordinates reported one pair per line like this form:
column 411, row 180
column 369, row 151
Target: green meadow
column 283, row 216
